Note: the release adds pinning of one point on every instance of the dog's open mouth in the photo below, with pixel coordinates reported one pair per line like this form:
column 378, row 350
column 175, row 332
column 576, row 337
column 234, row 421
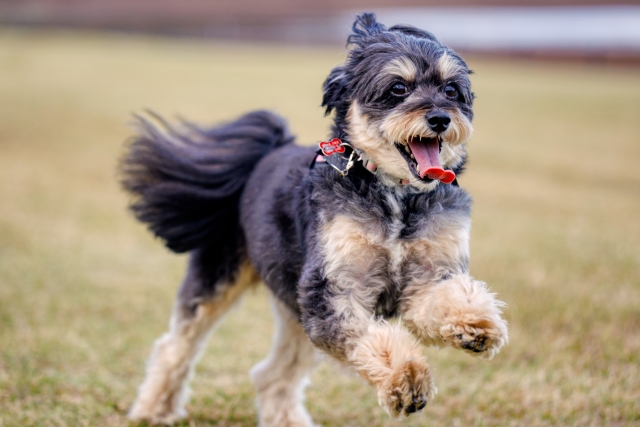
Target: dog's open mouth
column 421, row 154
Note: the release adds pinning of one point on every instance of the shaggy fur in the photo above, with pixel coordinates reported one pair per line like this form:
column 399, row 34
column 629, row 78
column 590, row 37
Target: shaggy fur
column 342, row 253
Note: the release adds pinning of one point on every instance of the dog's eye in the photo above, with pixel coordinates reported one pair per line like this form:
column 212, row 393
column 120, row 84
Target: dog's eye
column 450, row 91
column 399, row 89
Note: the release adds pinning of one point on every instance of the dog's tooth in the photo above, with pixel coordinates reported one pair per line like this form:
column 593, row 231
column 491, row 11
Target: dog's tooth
column 406, row 148
column 413, row 157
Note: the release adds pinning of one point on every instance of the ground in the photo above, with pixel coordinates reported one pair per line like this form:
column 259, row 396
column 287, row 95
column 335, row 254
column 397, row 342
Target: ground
column 84, row 289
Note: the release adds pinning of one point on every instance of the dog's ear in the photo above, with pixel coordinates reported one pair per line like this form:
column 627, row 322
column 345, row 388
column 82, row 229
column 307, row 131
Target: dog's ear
column 364, row 26
column 334, row 88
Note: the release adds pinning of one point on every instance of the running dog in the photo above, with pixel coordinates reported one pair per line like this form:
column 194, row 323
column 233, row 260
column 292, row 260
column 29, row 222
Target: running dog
column 370, row 228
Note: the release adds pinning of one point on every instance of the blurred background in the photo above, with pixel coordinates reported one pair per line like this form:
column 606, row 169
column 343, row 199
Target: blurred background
column 594, row 30
column 84, row 289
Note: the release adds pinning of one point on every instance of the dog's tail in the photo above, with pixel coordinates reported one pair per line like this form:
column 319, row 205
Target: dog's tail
column 186, row 181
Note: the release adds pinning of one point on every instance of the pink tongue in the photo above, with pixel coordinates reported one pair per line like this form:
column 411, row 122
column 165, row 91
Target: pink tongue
column 426, row 152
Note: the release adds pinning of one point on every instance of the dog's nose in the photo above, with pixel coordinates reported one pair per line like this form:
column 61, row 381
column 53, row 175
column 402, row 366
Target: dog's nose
column 438, row 121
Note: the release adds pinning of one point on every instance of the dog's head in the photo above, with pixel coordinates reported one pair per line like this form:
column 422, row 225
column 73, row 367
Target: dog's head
column 403, row 99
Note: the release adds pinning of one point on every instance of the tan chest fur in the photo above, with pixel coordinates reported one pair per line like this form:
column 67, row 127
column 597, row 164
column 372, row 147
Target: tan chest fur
column 363, row 258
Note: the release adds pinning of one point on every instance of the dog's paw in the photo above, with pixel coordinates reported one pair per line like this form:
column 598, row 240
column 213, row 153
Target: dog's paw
column 482, row 338
column 158, row 417
column 408, row 389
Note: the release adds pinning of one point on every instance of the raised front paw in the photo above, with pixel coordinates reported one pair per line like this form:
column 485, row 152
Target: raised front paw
column 480, row 337
column 408, row 389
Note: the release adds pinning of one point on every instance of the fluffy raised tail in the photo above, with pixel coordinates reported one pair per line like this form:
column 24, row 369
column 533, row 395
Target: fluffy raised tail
column 186, row 182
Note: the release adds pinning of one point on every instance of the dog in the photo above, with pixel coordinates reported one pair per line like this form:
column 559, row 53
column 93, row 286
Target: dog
column 363, row 244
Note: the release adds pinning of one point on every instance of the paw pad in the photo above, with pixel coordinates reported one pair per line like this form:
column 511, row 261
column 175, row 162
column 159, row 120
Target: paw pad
column 408, row 390
column 484, row 338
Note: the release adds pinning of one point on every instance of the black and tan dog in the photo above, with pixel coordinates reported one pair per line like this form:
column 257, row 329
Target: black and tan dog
column 372, row 228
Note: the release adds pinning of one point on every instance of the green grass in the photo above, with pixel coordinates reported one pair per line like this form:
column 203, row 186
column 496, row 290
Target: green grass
column 84, row 289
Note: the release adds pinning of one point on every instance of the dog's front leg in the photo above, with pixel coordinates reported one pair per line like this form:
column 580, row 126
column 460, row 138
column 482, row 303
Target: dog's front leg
column 456, row 310
column 386, row 355
column 338, row 294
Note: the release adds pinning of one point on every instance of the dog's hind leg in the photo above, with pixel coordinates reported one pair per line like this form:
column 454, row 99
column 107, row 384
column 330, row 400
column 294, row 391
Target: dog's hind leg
column 162, row 395
column 282, row 376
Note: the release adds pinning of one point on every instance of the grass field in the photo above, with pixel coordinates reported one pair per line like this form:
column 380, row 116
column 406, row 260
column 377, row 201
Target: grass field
column 84, row 289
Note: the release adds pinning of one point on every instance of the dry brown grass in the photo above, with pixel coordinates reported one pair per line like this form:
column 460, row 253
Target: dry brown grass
column 84, row 289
